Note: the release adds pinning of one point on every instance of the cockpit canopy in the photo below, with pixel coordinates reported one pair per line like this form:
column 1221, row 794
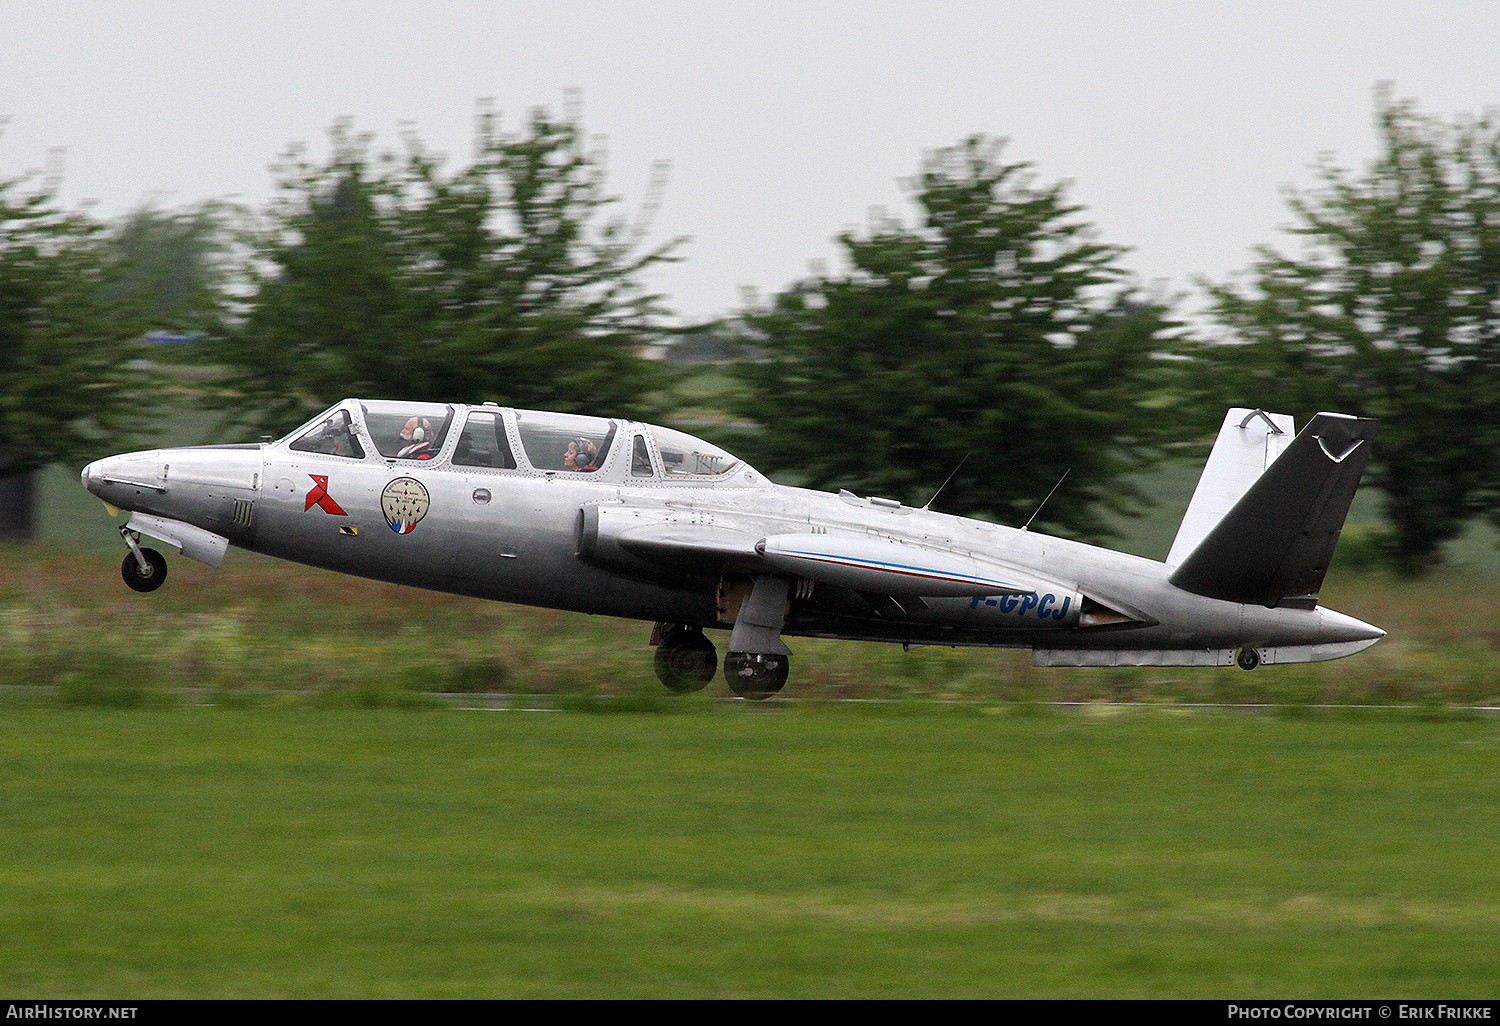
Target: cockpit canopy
column 565, row 441
column 500, row 438
column 407, row 431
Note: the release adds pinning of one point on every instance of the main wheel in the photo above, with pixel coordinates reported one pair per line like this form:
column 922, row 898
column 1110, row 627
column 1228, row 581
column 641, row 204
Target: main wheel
column 755, row 675
column 686, row 660
column 1247, row 658
column 148, row 578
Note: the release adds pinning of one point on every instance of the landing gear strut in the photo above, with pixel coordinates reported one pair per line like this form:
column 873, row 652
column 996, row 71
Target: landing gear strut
column 685, row 659
column 757, row 662
column 143, row 569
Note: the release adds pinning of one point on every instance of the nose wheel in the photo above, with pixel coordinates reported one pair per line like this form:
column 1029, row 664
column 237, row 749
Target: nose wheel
column 143, row 569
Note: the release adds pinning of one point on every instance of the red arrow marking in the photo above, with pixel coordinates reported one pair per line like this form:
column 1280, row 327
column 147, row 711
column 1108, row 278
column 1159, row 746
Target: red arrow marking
column 318, row 496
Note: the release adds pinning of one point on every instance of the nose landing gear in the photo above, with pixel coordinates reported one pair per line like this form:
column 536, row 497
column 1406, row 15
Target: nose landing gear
column 143, row 569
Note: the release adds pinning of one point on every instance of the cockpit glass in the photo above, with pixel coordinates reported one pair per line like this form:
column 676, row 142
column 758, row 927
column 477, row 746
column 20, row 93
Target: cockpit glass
column 408, row 431
column 640, row 459
column 484, row 443
column 682, row 455
column 332, row 436
column 562, row 441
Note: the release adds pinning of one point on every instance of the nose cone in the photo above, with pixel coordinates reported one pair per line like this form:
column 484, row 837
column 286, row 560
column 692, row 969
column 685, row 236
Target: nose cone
column 115, row 477
column 93, row 476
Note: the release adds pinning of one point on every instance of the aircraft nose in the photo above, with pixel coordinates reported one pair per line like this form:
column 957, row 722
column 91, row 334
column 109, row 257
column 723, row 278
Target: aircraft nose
column 97, row 474
column 106, row 477
column 92, row 477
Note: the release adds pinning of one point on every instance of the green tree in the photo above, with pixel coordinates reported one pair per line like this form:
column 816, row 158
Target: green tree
column 67, row 390
column 996, row 332
column 174, row 267
column 384, row 275
column 1392, row 310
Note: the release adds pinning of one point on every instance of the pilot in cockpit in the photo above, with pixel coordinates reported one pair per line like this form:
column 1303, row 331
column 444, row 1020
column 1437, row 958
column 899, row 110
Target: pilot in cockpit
column 582, row 455
column 416, row 440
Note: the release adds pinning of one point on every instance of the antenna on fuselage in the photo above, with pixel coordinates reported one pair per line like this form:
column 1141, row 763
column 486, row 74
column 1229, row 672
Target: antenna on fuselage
column 1049, row 495
column 955, row 470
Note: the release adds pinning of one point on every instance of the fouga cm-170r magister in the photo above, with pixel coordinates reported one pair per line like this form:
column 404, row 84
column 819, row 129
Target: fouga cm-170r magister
column 633, row 520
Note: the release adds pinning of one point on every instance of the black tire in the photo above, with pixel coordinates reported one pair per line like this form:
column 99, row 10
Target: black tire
column 149, row 579
column 755, row 675
column 1247, row 659
column 686, row 660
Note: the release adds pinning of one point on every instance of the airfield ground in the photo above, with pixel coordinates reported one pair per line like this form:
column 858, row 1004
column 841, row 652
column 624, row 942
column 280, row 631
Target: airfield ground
column 738, row 851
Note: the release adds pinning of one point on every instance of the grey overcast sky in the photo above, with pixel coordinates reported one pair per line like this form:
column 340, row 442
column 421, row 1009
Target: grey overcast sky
column 1178, row 123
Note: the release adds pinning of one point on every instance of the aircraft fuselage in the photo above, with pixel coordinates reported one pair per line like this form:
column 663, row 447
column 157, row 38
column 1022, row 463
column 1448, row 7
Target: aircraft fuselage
column 633, row 537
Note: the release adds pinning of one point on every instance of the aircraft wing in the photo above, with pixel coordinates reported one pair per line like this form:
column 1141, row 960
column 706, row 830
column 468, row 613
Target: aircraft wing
column 696, row 544
column 888, row 566
column 657, row 542
column 664, row 542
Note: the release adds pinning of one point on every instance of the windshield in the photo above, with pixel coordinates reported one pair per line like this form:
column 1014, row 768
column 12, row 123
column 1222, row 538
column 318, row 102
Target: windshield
column 682, row 455
column 331, row 435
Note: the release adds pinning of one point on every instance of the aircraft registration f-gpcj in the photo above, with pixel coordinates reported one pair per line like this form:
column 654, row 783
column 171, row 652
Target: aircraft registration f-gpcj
column 633, row 520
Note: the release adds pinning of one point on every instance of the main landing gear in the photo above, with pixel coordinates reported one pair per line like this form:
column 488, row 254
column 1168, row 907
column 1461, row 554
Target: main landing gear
column 685, row 659
column 756, row 675
column 143, row 569
column 757, row 662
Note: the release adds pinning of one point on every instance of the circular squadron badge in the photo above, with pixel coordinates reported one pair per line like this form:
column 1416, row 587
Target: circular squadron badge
column 404, row 503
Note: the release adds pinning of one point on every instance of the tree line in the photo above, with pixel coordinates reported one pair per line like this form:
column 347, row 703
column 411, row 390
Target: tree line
column 992, row 339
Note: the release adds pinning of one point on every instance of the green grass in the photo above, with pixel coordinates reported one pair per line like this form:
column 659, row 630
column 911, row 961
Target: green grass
column 259, row 630
column 744, row 851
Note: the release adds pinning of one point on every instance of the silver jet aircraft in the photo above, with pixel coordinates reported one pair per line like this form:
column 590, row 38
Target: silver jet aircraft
column 633, row 520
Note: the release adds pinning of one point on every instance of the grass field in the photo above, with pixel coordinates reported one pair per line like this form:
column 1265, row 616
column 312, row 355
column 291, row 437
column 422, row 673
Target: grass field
column 745, row 851
column 258, row 631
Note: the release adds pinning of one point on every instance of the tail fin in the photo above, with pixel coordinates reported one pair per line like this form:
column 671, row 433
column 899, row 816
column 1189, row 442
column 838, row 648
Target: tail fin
column 1248, row 442
column 1273, row 545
